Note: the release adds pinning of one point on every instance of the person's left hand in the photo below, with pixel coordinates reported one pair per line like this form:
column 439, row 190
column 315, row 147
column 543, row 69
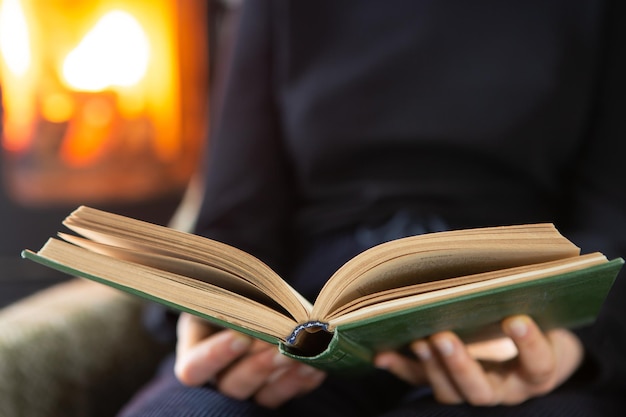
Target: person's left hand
column 543, row 362
column 239, row 366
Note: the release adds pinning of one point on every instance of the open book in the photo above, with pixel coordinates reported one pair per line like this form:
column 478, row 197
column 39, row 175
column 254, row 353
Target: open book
column 464, row 280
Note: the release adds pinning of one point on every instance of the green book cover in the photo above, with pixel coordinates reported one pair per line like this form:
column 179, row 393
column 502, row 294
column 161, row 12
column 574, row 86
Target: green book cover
column 567, row 300
column 564, row 300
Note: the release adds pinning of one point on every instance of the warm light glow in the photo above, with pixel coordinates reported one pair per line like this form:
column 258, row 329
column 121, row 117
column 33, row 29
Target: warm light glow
column 17, row 76
column 90, row 133
column 102, row 100
column 14, row 40
column 114, row 53
column 57, row 108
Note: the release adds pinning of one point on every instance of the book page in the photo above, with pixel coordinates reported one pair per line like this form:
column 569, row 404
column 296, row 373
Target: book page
column 114, row 230
column 394, row 297
column 397, row 300
column 440, row 256
column 184, row 267
column 197, row 297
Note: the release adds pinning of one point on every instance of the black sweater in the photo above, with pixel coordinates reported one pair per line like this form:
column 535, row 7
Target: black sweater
column 336, row 113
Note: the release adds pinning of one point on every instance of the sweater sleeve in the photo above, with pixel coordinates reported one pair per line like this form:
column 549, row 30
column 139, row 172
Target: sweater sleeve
column 247, row 195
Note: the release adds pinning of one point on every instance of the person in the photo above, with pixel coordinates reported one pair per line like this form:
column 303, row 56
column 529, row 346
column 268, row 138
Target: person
column 343, row 124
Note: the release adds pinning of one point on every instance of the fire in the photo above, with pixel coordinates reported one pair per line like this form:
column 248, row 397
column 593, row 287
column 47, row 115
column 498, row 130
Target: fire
column 14, row 39
column 102, row 96
column 15, row 50
column 114, row 53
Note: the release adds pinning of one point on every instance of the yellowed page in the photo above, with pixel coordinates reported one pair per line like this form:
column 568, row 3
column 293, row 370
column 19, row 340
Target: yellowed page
column 114, row 230
column 191, row 294
column 439, row 256
column 487, row 281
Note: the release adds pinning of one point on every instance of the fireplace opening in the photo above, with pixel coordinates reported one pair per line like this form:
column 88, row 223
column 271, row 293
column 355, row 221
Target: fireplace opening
column 104, row 101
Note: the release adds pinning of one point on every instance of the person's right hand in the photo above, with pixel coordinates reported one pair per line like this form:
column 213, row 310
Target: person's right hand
column 543, row 361
column 239, row 366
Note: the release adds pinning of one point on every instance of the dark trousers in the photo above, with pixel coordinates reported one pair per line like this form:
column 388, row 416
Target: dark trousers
column 377, row 395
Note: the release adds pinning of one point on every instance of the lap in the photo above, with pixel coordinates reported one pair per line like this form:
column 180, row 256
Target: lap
column 367, row 395
column 566, row 403
column 374, row 395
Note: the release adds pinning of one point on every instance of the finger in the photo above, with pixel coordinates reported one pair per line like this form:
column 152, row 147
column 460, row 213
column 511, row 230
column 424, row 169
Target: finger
column 288, row 383
column 512, row 384
column 570, row 355
column 498, row 350
column 444, row 390
column 401, row 366
column 537, row 361
column 465, row 373
column 191, row 330
column 245, row 377
column 198, row 364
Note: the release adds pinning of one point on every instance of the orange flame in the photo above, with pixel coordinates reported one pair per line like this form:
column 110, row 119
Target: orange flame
column 115, row 52
column 124, row 62
column 16, row 57
column 14, row 39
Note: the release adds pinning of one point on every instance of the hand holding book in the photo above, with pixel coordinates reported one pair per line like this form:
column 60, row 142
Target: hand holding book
column 543, row 361
column 227, row 359
column 238, row 365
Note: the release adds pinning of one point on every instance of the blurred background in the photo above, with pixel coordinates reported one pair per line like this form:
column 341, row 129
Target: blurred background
column 104, row 103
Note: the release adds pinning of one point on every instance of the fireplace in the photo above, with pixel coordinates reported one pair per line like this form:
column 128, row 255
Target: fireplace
column 103, row 100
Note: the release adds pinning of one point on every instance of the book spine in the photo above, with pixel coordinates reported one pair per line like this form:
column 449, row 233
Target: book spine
column 340, row 355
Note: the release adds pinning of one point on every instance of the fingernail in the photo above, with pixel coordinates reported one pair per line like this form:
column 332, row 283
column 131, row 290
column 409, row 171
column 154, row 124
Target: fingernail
column 240, row 343
column 422, row 350
column 445, row 346
column 518, row 327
